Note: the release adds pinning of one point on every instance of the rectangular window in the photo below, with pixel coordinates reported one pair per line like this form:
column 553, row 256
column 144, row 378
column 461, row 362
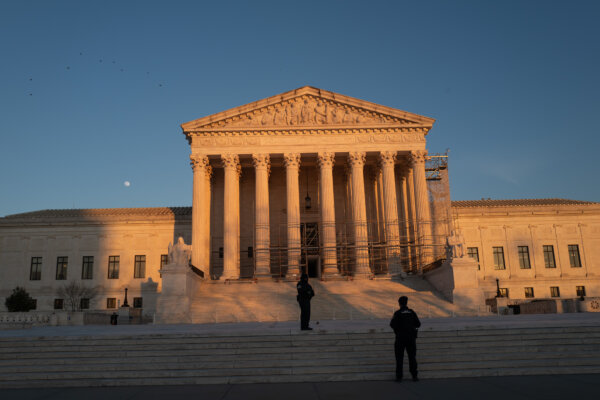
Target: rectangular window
column 111, row 302
column 35, row 274
column 137, row 302
column 580, row 291
column 524, row 257
column 549, row 260
column 503, row 292
column 529, row 292
column 87, row 267
column 139, row 270
column 499, row 258
column 58, row 304
column 164, row 260
column 473, row 252
column 554, row 291
column 61, row 268
column 113, row 267
column 574, row 256
column 220, row 252
column 34, row 304
column 84, row 304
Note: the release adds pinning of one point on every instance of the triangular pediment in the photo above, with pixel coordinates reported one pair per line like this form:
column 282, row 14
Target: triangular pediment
column 307, row 107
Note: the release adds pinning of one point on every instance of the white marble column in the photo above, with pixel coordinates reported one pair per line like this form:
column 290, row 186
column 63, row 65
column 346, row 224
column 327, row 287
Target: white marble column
column 392, row 233
column 292, row 165
column 417, row 159
column 200, row 209
column 262, row 228
column 231, row 217
column 207, row 215
column 328, row 239
column 359, row 213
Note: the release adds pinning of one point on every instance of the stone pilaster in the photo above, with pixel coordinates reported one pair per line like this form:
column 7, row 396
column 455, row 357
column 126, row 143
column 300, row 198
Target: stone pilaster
column 231, row 217
column 262, row 228
column 292, row 165
column 417, row 159
column 200, row 211
column 392, row 234
column 329, row 251
column 359, row 212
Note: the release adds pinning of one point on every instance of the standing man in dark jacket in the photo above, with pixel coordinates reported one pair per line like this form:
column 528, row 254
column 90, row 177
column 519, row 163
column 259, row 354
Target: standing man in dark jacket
column 305, row 293
column 405, row 324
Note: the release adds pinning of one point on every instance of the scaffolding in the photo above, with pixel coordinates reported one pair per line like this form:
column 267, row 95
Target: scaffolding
column 412, row 253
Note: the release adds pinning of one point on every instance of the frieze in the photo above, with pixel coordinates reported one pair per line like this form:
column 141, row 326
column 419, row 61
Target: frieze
column 224, row 140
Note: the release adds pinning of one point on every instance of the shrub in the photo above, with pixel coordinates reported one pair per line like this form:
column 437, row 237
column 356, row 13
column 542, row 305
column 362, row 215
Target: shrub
column 19, row 301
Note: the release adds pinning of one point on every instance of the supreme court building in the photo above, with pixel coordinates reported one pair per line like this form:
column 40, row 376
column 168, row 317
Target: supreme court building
column 317, row 182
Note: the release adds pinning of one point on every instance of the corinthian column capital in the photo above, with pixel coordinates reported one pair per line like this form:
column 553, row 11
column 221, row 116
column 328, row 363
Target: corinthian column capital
column 387, row 158
column 291, row 160
column 326, row 159
column 261, row 161
column 357, row 158
column 199, row 161
column 418, row 157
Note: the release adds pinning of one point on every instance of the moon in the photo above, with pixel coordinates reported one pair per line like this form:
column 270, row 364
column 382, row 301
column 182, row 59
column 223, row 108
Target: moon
column 127, row 183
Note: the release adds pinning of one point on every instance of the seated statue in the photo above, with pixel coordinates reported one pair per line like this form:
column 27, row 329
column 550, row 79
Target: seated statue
column 180, row 253
column 455, row 245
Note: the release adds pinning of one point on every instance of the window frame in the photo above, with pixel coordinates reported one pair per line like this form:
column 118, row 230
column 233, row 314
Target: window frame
column 498, row 251
column 475, row 253
column 139, row 266
column 35, row 274
column 548, row 250
column 524, row 259
column 580, row 291
column 59, row 304
column 554, row 291
column 114, row 263
column 138, row 302
column 574, row 256
column 529, row 292
column 87, row 267
column 84, row 303
column 111, row 303
column 62, row 264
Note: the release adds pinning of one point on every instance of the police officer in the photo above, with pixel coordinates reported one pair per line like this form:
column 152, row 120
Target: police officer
column 305, row 293
column 405, row 324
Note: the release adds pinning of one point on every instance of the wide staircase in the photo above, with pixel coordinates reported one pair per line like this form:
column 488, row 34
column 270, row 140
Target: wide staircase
column 334, row 300
column 294, row 356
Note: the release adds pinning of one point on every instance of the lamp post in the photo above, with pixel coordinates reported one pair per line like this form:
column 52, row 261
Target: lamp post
column 498, row 288
column 125, row 304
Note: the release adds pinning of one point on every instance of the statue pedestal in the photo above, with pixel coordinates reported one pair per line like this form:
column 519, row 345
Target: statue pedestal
column 179, row 284
column 457, row 280
column 466, row 292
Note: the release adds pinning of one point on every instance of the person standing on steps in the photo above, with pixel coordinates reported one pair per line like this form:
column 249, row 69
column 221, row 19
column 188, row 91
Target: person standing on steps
column 305, row 293
column 405, row 324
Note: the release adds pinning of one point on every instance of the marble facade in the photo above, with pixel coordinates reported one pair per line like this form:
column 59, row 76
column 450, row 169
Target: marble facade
column 308, row 180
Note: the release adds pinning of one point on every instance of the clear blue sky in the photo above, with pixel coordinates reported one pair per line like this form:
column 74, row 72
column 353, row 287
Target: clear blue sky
column 92, row 93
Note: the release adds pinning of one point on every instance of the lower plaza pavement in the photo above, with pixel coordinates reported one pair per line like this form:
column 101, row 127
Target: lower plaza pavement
column 504, row 387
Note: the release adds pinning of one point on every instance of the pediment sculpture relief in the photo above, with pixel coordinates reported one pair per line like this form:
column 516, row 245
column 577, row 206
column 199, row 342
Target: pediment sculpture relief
column 306, row 111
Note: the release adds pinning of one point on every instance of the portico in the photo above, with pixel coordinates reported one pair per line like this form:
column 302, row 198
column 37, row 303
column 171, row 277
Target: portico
column 253, row 166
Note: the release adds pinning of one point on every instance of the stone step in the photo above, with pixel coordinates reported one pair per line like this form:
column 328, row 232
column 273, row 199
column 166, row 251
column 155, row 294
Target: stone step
column 306, row 354
column 323, row 344
column 360, row 376
column 304, row 371
column 190, row 363
column 317, row 336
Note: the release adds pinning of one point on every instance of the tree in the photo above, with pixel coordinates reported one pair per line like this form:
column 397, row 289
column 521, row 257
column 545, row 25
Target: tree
column 73, row 292
column 19, row 301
